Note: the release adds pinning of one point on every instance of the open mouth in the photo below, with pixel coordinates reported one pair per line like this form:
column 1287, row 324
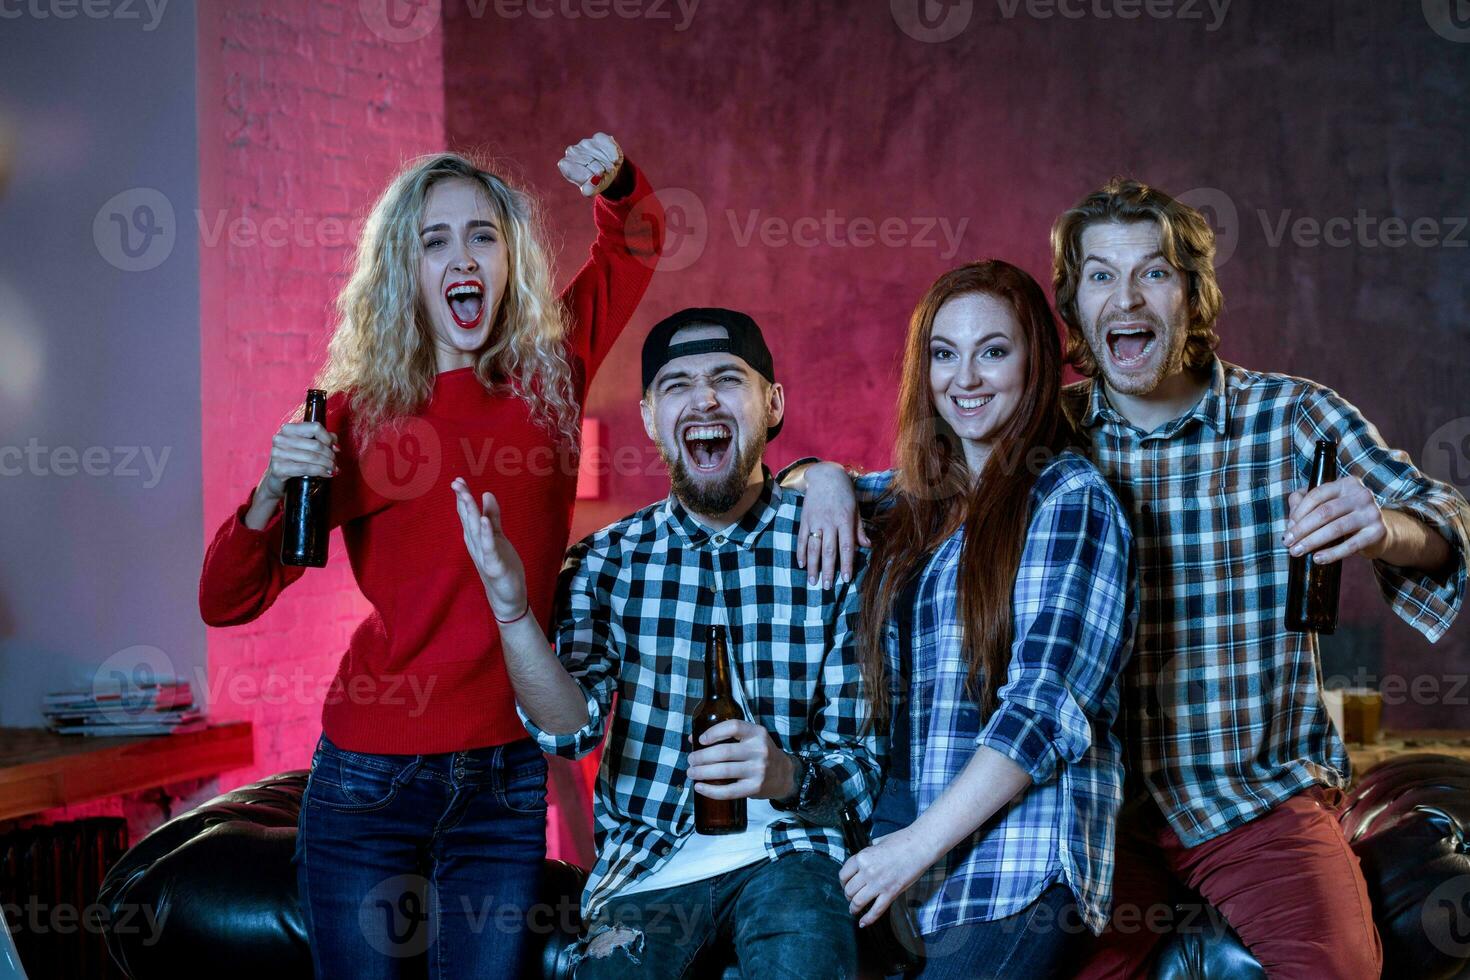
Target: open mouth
column 466, row 303
column 1130, row 344
column 970, row 404
column 708, row 445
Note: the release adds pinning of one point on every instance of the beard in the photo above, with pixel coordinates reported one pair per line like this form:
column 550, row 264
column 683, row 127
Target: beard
column 1173, row 336
column 718, row 495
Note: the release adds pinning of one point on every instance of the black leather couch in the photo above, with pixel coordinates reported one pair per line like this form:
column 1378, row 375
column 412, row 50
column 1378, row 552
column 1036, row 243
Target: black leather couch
column 219, row 882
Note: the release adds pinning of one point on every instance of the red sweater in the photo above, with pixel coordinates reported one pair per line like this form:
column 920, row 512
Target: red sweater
column 424, row 673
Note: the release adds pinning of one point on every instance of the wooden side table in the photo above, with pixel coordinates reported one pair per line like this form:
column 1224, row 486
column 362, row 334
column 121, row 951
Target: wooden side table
column 40, row 770
column 1445, row 741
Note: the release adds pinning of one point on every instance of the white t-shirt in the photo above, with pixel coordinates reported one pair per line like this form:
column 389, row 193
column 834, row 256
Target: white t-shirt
column 699, row 856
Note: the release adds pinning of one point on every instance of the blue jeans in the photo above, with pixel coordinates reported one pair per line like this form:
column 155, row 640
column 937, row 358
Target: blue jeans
column 408, row 863
column 787, row 918
column 1035, row 943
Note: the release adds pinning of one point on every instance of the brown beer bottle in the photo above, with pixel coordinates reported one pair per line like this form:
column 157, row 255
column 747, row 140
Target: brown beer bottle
column 890, row 945
column 716, row 816
column 304, row 517
column 1311, row 589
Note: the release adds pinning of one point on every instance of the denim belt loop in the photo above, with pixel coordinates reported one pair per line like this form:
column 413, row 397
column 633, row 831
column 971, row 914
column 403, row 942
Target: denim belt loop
column 406, row 774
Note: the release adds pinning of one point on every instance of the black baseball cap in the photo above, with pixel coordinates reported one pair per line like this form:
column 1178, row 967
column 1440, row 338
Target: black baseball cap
column 742, row 338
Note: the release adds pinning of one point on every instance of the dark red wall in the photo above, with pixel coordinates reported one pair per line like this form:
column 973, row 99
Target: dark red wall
column 757, row 111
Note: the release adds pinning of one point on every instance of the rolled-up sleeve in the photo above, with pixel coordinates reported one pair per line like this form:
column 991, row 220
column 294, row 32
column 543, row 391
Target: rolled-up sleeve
column 1427, row 602
column 585, row 646
column 1073, row 617
column 874, row 491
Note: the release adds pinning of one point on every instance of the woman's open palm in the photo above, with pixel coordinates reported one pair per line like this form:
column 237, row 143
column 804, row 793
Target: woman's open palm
column 495, row 558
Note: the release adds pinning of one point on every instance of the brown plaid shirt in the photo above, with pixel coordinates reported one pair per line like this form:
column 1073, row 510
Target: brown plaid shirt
column 1222, row 711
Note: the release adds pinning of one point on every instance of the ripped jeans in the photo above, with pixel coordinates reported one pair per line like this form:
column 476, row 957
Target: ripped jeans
column 785, row 917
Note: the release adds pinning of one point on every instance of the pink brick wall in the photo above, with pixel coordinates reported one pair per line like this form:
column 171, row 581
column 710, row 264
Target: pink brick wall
column 305, row 111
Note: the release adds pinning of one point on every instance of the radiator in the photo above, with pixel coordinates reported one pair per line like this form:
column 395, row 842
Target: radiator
column 49, row 879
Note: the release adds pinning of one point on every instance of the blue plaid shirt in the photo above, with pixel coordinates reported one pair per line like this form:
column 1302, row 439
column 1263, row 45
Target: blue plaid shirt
column 1073, row 613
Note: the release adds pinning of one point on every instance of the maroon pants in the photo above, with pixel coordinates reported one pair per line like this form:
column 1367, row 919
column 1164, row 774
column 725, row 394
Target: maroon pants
column 1287, row 882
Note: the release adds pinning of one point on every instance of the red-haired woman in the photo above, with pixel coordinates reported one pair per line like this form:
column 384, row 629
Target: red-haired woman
column 998, row 615
column 453, row 357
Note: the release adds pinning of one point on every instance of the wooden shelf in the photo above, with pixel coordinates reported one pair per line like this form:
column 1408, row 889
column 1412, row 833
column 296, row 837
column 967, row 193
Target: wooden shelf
column 40, row 770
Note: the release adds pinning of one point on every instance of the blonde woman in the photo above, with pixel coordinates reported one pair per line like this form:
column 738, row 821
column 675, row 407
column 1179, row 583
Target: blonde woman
column 423, row 820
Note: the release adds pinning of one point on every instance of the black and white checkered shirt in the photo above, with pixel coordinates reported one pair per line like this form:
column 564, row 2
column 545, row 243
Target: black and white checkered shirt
column 634, row 603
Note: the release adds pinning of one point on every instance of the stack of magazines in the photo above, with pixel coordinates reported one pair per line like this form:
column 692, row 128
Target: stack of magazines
column 159, row 707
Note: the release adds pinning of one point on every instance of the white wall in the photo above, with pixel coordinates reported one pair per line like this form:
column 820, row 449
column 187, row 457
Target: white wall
column 100, row 541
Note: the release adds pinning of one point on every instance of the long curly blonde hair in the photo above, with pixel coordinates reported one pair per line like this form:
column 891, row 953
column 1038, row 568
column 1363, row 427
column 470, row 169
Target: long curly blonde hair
column 382, row 351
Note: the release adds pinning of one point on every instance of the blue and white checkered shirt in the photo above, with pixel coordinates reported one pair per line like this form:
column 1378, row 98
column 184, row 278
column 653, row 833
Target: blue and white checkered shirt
column 1073, row 614
column 634, row 603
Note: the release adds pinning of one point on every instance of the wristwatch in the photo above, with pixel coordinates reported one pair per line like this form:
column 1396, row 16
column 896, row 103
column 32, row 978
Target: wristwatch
column 807, row 777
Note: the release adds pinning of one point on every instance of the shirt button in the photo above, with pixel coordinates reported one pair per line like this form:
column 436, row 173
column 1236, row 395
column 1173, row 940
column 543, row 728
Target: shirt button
column 663, row 849
column 1144, row 508
column 720, row 539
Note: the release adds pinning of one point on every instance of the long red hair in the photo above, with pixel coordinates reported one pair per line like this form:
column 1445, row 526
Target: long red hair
column 933, row 494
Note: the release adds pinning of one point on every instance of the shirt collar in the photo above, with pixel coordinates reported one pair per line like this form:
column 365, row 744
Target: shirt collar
column 1213, row 408
column 744, row 532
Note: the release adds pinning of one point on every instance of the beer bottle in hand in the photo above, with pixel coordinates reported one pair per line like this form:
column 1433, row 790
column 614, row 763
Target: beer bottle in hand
column 716, row 816
column 304, row 517
column 890, row 945
column 1311, row 589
